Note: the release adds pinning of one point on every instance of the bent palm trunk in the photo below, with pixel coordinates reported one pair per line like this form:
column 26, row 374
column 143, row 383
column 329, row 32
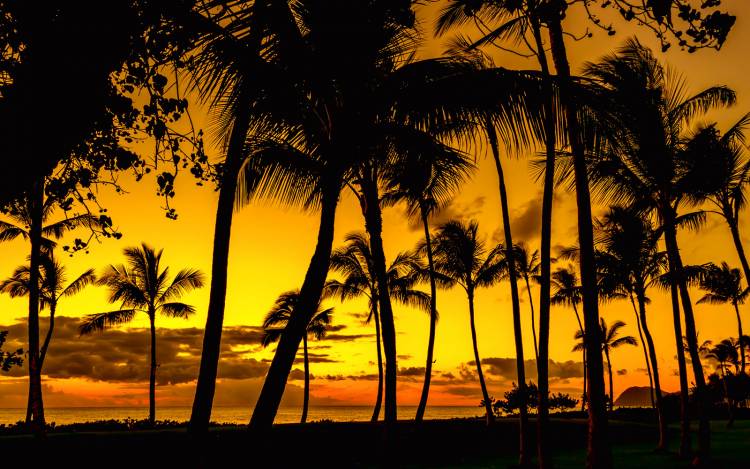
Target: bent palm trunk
column 483, row 386
column 379, row 398
column 662, row 445
column 645, row 353
column 310, row 293
column 734, row 228
column 306, row 391
column 433, row 320
column 35, row 368
column 741, row 340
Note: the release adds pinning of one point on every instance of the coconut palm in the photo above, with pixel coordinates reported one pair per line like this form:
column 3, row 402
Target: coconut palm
column 642, row 162
column 354, row 262
column 723, row 285
column 275, row 322
column 566, row 291
column 528, row 267
column 53, row 288
column 142, row 286
column 463, row 259
column 611, row 342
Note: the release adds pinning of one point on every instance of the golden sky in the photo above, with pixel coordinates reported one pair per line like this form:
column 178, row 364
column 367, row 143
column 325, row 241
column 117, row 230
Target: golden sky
column 271, row 247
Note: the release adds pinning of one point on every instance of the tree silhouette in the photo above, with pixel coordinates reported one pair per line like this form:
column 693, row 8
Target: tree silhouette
column 275, row 322
column 723, row 284
column 142, row 286
column 566, row 291
column 528, row 267
column 462, row 258
column 9, row 359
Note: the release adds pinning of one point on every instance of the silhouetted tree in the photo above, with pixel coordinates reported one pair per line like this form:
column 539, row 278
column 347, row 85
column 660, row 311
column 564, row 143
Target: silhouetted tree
column 142, row 286
column 567, row 291
column 9, row 359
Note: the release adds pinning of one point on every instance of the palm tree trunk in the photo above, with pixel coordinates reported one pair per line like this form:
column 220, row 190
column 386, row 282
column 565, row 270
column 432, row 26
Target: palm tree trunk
column 378, row 339
column 374, row 228
column 433, row 320
column 306, row 392
column 533, row 322
column 685, row 439
column 43, row 352
column 36, row 204
column 734, row 228
column 523, row 456
column 310, row 293
column 483, row 386
column 542, row 362
column 645, row 352
column 662, row 445
column 611, row 382
column 152, row 374
column 704, row 430
column 599, row 453
column 585, row 368
column 206, row 386
column 741, row 341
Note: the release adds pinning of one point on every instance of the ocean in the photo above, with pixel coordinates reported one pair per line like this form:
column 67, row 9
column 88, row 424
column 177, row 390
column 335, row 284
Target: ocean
column 238, row 415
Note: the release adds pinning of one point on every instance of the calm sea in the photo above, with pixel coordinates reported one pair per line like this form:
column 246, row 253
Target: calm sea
column 239, row 415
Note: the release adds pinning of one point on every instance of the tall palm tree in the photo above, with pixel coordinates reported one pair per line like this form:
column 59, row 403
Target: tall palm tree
column 354, row 262
column 275, row 322
column 643, row 127
column 143, row 286
column 611, row 342
column 566, row 291
column 723, row 284
column 630, row 249
column 53, row 288
column 528, row 267
column 28, row 219
column 462, row 258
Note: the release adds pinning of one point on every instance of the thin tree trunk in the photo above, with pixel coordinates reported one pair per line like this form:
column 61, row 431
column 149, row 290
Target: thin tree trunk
column 43, row 351
column 542, row 363
column 645, row 353
column 152, row 374
column 310, row 293
column 374, row 227
column 483, row 386
column 306, row 392
column 36, row 203
column 662, row 445
column 379, row 398
column 585, row 368
column 742, row 342
column 685, row 438
column 599, row 454
column 533, row 322
column 523, row 455
column 611, row 382
column 433, row 320
column 704, row 431
column 206, row 386
column 734, row 228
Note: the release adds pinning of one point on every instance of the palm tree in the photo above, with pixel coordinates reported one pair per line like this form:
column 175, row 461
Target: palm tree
column 142, row 286
column 630, row 252
column 724, row 285
column 462, row 258
column 354, row 262
column 643, row 163
column 725, row 354
column 611, row 342
column 528, row 266
column 52, row 289
column 275, row 322
column 566, row 291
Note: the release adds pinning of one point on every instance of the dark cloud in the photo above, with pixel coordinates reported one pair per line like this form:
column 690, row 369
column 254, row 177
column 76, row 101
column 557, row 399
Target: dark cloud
column 505, row 368
column 412, row 371
column 452, row 211
column 622, row 372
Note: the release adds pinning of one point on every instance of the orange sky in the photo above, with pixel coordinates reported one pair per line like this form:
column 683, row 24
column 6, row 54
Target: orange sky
column 271, row 247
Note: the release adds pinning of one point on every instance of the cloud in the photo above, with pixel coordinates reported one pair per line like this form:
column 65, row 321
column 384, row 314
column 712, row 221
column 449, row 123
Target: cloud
column 505, row 368
column 622, row 372
column 412, row 371
column 452, row 211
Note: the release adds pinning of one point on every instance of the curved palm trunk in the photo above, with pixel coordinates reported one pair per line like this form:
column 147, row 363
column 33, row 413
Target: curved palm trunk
column 585, row 368
column 662, row 445
column 542, row 362
column 310, row 293
column 742, row 342
column 374, row 228
column 483, row 386
column 35, row 367
column 433, row 320
column 704, row 430
column 734, row 228
column 611, row 381
column 645, row 352
column 379, row 398
column 599, row 454
column 152, row 374
column 523, row 456
column 533, row 322
column 306, row 391
column 43, row 351
column 206, row 386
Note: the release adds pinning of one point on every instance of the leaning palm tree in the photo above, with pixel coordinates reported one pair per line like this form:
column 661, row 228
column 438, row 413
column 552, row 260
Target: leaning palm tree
column 52, row 279
column 566, row 291
column 277, row 319
column 141, row 286
column 724, row 285
column 354, row 262
column 462, row 258
column 642, row 162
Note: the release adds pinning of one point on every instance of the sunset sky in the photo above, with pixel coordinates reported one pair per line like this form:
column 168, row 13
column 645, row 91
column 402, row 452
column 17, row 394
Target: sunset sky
column 271, row 247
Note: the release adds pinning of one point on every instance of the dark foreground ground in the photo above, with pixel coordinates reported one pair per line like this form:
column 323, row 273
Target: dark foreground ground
column 448, row 443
